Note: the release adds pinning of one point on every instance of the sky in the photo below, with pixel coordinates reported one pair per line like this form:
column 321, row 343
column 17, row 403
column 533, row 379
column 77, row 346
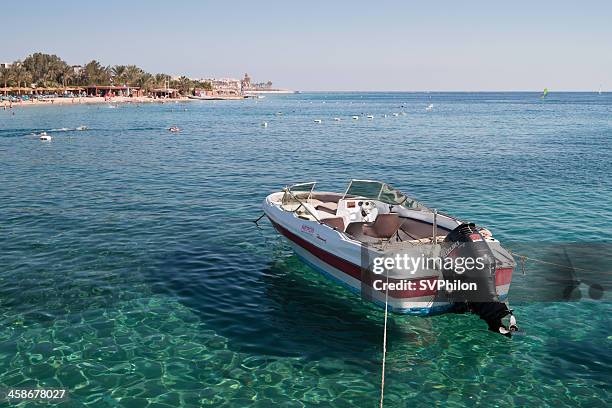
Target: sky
column 331, row 45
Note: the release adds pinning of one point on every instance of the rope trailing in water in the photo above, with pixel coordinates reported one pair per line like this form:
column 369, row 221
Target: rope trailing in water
column 524, row 258
column 384, row 358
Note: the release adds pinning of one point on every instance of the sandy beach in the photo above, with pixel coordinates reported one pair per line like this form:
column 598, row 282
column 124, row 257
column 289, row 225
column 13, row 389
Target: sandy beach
column 88, row 100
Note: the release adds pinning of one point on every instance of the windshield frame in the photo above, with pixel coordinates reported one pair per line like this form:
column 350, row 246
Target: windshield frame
column 414, row 204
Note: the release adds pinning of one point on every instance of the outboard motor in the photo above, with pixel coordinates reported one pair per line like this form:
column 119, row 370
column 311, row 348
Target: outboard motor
column 469, row 264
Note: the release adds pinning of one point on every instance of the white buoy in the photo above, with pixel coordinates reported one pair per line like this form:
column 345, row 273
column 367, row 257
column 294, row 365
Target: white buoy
column 356, row 117
column 279, row 113
column 430, row 107
column 385, row 115
column 317, row 121
column 265, row 124
column 396, row 114
column 337, row 119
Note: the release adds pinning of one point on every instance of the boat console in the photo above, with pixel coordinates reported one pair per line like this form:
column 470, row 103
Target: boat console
column 360, row 210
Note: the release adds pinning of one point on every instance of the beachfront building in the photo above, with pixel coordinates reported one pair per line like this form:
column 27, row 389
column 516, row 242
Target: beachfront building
column 251, row 88
column 69, row 90
column 5, row 65
column 42, row 91
column 77, row 70
column 113, row 90
column 224, row 87
column 247, row 85
column 165, row 93
column 16, row 91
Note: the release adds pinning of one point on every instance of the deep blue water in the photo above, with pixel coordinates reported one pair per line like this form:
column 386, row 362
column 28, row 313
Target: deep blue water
column 130, row 272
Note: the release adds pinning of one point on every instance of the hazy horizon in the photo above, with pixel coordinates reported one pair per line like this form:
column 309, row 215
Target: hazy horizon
column 345, row 46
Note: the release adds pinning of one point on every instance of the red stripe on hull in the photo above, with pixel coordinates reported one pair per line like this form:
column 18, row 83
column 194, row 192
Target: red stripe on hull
column 355, row 271
column 503, row 276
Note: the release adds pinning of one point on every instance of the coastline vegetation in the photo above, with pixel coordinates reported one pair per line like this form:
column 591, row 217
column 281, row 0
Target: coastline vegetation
column 41, row 70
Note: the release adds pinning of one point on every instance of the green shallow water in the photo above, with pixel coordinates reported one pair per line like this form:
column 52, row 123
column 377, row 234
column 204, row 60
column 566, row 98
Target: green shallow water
column 132, row 276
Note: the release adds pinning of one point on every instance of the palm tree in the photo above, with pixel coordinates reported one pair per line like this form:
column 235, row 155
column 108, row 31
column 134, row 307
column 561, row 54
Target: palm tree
column 96, row 74
column 204, row 85
column 20, row 74
column 118, row 72
column 133, row 74
column 45, row 69
column 5, row 76
column 161, row 80
column 146, row 82
column 67, row 75
column 184, row 85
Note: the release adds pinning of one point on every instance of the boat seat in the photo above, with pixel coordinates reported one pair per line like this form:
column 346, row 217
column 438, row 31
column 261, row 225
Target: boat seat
column 417, row 229
column 385, row 226
column 355, row 229
column 330, row 208
column 336, row 223
column 306, row 211
column 327, row 197
column 330, row 205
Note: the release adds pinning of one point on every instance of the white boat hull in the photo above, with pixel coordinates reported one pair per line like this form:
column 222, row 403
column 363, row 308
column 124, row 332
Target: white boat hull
column 339, row 257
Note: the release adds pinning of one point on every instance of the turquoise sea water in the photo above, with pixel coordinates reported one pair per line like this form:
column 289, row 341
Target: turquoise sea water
column 131, row 275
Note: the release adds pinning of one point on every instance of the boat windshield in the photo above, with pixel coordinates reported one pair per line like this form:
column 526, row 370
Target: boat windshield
column 377, row 190
column 302, row 187
column 298, row 191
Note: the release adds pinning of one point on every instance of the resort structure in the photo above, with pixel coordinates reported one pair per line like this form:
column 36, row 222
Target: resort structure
column 45, row 77
column 221, row 87
column 249, row 88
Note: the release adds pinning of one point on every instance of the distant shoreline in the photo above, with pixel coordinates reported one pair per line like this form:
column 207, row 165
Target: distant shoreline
column 438, row 92
column 268, row 91
column 59, row 101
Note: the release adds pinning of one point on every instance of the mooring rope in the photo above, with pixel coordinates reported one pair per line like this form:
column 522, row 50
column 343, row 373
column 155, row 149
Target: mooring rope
column 524, row 258
column 384, row 358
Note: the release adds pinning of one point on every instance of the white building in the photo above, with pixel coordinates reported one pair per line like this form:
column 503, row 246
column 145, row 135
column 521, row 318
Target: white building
column 225, row 86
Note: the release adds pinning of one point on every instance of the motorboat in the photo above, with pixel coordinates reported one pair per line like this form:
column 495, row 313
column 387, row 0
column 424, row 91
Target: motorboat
column 396, row 252
column 45, row 137
column 205, row 97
